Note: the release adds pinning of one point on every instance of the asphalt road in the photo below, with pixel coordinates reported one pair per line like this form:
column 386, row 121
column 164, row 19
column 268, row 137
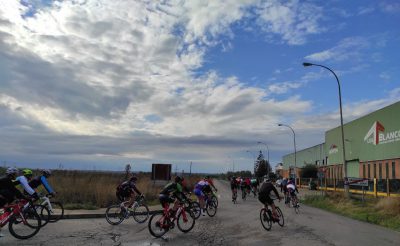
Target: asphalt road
column 234, row 224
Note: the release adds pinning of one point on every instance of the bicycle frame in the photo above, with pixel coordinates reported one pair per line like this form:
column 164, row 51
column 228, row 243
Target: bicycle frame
column 16, row 209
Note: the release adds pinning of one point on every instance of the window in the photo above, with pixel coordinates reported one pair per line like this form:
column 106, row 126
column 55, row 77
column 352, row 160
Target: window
column 374, row 170
column 393, row 170
column 380, row 170
column 387, row 170
column 369, row 170
column 363, row 170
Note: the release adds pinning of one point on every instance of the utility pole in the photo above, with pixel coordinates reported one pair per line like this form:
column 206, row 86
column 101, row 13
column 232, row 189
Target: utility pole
column 190, row 172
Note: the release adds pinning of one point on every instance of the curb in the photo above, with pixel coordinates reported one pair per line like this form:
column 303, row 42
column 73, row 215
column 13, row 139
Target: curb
column 97, row 215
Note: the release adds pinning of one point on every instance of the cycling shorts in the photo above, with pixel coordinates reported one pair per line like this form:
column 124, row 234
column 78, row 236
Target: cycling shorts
column 198, row 193
column 233, row 186
column 165, row 199
column 293, row 193
column 265, row 199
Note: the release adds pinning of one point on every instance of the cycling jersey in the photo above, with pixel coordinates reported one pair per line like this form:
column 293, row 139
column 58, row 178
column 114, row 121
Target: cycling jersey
column 292, row 189
column 23, row 181
column 254, row 182
column 40, row 180
column 174, row 189
column 265, row 191
column 234, row 184
column 126, row 189
column 201, row 187
column 8, row 191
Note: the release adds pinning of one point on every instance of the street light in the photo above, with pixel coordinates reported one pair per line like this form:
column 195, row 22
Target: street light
column 307, row 64
column 294, row 142
column 259, row 142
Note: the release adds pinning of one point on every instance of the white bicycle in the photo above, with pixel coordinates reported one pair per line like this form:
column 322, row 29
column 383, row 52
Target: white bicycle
column 55, row 208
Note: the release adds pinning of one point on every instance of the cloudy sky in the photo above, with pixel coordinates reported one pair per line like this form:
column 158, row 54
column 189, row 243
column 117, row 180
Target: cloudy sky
column 97, row 84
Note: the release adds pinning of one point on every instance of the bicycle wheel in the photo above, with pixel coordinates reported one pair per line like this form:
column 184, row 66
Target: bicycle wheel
column 115, row 214
column 211, row 208
column 296, row 208
column 186, row 221
column 214, row 198
column 44, row 213
column 266, row 221
column 158, row 225
column 56, row 211
column 25, row 229
column 140, row 213
column 195, row 208
column 281, row 221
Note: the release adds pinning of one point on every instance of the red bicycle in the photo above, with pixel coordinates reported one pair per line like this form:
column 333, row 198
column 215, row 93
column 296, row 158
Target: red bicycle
column 23, row 220
column 161, row 222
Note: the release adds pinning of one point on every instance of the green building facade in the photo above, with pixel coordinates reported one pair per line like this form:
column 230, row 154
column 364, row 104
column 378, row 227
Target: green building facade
column 372, row 147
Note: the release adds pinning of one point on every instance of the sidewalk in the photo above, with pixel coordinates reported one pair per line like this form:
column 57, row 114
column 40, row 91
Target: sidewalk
column 97, row 213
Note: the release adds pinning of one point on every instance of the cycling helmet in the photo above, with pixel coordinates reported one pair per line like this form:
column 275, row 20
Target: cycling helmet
column 11, row 170
column 27, row 172
column 134, row 178
column 46, row 172
column 178, row 179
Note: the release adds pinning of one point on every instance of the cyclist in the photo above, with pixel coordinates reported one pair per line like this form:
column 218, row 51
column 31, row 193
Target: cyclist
column 254, row 185
column 248, row 183
column 8, row 191
column 264, row 196
column 210, row 182
column 234, row 187
column 200, row 189
column 284, row 189
column 42, row 180
column 172, row 189
column 291, row 190
column 127, row 190
column 23, row 181
column 243, row 187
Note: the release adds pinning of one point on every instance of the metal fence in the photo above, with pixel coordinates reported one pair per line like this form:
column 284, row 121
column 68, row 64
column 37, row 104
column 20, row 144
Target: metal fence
column 377, row 187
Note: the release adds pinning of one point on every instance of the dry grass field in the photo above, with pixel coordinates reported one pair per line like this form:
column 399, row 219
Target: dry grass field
column 95, row 189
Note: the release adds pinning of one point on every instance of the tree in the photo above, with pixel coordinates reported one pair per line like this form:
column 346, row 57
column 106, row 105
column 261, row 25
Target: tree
column 127, row 170
column 309, row 171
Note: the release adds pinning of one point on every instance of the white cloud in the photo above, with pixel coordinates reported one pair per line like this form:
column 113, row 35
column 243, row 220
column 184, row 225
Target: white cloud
column 284, row 87
column 292, row 20
column 348, row 48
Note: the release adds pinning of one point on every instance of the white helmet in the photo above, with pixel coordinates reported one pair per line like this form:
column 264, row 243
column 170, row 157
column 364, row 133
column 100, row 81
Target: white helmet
column 46, row 172
column 11, row 170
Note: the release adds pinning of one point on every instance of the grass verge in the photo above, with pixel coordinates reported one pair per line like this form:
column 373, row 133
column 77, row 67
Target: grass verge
column 380, row 211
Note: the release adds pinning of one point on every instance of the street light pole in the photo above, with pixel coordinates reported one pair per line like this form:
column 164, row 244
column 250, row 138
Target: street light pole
column 294, row 143
column 254, row 156
column 259, row 142
column 307, row 64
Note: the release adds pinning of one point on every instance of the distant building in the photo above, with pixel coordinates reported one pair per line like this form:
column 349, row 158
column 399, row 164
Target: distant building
column 372, row 145
column 279, row 169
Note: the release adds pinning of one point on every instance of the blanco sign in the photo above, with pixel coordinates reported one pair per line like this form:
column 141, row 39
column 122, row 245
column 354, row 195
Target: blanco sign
column 377, row 135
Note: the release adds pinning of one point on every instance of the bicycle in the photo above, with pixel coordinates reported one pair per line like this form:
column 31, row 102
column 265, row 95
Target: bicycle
column 55, row 208
column 21, row 216
column 214, row 198
column 234, row 196
column 193, row 206
column 244, row 193
column 115, row 214
column 210, row 206
column 293, row 200
column 267, row 218
column 161, row 222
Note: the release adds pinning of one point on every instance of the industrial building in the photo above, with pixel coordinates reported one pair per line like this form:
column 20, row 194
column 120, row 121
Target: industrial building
column 372, row 148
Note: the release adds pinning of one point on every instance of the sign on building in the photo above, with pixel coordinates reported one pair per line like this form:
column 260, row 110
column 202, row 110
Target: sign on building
column 161, row 171
column 357, row 181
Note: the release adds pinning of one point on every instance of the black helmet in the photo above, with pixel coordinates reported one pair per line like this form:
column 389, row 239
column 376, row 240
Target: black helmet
column 133, row 178
column 178, row 179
